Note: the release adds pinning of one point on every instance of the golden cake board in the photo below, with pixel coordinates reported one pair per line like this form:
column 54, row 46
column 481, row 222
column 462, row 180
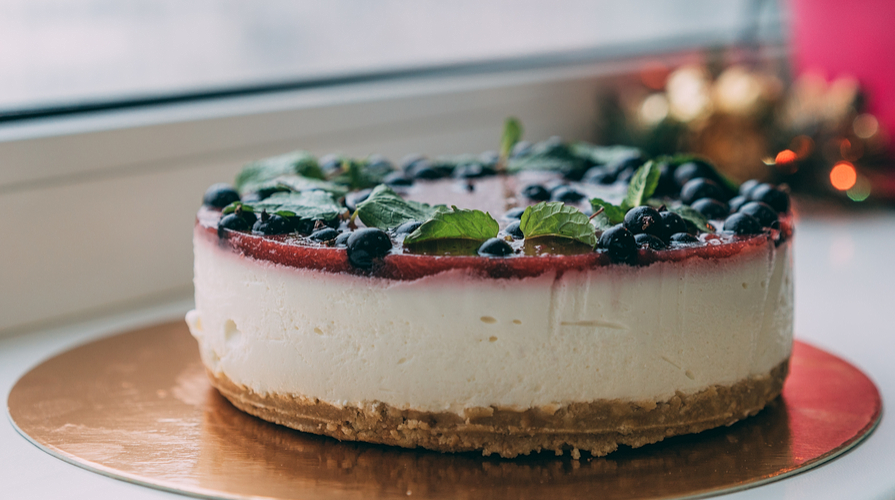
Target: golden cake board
column 138, row 407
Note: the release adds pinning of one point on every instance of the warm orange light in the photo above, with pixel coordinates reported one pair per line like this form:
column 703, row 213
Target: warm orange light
column 785, row 156
column 843, row 176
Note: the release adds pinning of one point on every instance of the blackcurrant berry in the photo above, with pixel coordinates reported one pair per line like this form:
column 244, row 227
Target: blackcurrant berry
column 271, row 224
column 748, row 186
column 515, row 231
column 536, row 192
column 766, row 193
column 742, row 224
column 619, row 244
column 671, row 223
column 566, row 194
column 325, row 234
column 514, row 213
column 701, row 188
column 666, row 186
column 232, row 222
column 397, row 179
column 683, row 239
column 691, row 170
column 643, row 219
column 342, row 239
column 736, row 202
column 711, row 209
column 220, row 195
column 495, row 247
column 649, row 241
column 408, row 227
column 766, row 215
column 367, row 245
column 598, row 175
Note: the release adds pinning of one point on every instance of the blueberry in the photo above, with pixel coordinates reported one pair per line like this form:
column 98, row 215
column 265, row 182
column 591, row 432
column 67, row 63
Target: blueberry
column 271, row 224
column 426, row 173
column 521, row 148
column 515, row 231
column 342, row 239
column 711, row 209
column 354, row 198
column 666, row 186
column 649, row 241
column 249, row 217
column 366, row 245
column 325, row 234
column 736, row 202
column 619, row 244
column 643, row 219
column 410, row 161
column 514, row 213
column 671, row 223
column 472, row 171
column 681, row 239
column 536, row 192
column 691, row 170
column 396, row 179
column 701, row 188
column 766, row 193
column 408, row 227
column 331, row 163
column 766, row 215
column 232, row 222
column 748, row 186
column 625, row 161
column 742, row 224
column 220, row 195
column 495, row 247
column 566, row 194
column 598, row 175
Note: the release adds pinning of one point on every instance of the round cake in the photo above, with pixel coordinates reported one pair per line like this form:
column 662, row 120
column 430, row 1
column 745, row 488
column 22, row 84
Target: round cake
column 562, row 297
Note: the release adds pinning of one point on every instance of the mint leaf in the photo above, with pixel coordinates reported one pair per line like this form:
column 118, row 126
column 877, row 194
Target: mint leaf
column 613, row 213
column 642, row 186
column 312, row 205
column 361, row 174
column 300, row 183
column 456, row 224
column 693, row 218
column 603, row 155
column 512, row 133
column 557, row 219
column 295, row 163
column 386, row 210
column 229, row 209
column 549, row 155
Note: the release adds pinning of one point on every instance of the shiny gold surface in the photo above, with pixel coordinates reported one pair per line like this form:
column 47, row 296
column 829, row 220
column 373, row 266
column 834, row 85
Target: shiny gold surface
column 138, row 407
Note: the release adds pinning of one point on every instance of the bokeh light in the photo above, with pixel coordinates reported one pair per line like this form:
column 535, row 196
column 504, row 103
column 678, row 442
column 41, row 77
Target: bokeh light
column 654, row 109
column 861, row 190
column 865, row 126
column 843, row 176
column 785, row 156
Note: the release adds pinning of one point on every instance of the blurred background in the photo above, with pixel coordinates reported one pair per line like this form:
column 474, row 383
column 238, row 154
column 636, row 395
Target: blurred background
column 116, row 115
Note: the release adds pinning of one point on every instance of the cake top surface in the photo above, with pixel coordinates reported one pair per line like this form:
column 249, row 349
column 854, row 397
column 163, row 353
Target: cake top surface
column 529, row 209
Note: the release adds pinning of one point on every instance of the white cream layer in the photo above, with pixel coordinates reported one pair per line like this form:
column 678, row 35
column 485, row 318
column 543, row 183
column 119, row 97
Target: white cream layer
column 452, row 341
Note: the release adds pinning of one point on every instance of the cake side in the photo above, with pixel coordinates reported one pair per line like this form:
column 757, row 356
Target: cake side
column 456, row 340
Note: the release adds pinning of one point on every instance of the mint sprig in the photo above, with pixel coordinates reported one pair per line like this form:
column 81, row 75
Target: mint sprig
column 642, row 186
column 313, row 205
column 296, row 163
column 512, row 133
column 455, row 224
column 559, row 220
column 384, row 209
column 693, row 218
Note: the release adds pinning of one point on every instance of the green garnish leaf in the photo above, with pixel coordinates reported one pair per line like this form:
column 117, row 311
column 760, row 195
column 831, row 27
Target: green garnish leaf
column 603, row 155
column 557, row 219
column 549, row 155
column 314, row 205
column 512, row 133
column 296, row 163
column 362, row 174
column 384, row 209
column 643, row 185
column 456, row 224
column 613, row 213
column 300, row 183
column 693, row 218
column 229, row 209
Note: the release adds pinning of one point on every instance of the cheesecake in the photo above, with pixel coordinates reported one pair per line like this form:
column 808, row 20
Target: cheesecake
column 502, row 304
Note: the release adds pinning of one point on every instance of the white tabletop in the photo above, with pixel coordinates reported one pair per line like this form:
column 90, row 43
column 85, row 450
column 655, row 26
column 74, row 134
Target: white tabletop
column 845, row 301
